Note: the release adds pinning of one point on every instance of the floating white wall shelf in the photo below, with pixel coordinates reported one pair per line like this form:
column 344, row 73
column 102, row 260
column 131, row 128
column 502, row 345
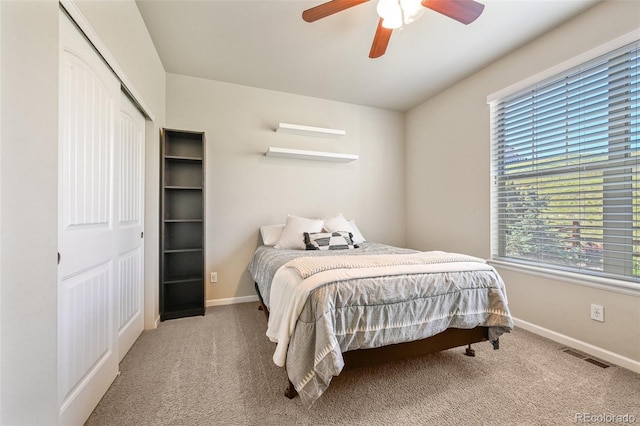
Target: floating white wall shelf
column 310, row 155
column 298, row 129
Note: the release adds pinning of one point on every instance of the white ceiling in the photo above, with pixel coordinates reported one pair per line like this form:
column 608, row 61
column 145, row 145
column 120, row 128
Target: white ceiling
column 266, row 44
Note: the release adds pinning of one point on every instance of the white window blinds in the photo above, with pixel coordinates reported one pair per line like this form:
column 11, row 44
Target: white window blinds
column 566, row 185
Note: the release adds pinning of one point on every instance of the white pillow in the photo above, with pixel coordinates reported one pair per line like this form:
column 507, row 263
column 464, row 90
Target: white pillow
column 358, row 238
column 337, row 223
column 292, row 237
column 271, row 234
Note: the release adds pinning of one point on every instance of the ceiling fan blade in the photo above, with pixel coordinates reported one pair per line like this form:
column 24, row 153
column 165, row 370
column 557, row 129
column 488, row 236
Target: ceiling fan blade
column 465, row 11
column 329, row 8
column 380, row 41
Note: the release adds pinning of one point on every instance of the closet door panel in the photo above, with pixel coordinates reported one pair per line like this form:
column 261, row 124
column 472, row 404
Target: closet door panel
column 130, row 225
column 87, row 344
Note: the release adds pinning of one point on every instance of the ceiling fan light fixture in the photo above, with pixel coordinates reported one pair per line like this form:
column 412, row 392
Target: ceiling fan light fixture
column 412, row 10
column 396, row 13
column 391, row 13
column 392, row 23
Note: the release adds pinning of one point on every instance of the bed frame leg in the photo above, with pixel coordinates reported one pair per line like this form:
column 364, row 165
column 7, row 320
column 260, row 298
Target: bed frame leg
column 290, row 391
column 469, row 351
column 263, row 308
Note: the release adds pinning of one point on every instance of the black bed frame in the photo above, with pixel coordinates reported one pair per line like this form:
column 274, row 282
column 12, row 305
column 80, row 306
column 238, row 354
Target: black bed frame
column 450, row 338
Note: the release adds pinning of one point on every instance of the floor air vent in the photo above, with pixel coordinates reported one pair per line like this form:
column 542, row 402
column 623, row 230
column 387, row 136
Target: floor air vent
column 596, row 362
column 585, row 357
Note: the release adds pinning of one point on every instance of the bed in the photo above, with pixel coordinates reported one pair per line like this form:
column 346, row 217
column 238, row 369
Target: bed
column 371, row 302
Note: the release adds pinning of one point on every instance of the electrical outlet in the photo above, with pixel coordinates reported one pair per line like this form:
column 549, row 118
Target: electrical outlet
column 214, row 277
column 597, row 312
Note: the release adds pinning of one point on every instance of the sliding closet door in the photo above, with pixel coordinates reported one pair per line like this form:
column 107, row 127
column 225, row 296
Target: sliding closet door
column 88, row 198
column 130, row 216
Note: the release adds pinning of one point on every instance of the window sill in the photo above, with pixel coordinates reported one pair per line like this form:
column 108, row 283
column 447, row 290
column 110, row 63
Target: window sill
column 600, row 283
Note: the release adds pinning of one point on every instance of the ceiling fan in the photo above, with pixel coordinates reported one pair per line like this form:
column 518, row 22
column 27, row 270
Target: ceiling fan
column 396, row 13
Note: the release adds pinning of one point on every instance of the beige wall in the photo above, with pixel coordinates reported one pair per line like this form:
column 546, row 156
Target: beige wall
column 245, row 189
column 28, row 178
column 448, row 186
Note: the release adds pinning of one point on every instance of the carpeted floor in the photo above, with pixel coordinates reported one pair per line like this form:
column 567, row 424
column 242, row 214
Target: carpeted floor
column 217, row 370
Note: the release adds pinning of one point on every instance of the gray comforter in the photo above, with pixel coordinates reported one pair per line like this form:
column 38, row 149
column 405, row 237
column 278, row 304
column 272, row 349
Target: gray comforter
column 371, row 312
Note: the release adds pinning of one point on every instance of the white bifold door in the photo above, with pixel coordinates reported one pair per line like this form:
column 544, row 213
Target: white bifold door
column 100, row 223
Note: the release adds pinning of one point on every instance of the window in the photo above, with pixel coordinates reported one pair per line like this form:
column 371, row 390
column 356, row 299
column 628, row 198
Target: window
column 566, row 185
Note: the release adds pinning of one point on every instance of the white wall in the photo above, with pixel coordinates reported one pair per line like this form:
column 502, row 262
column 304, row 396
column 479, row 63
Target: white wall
column 28, row 243
column 0, row 210
column 245, row 189
column 448, row 187
column 28, row 179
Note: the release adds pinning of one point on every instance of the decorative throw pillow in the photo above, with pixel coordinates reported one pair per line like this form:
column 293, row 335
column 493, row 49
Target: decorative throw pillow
column 338, row 240
column 292, row 237
column 358, row 238
column 337, row 223
column 271, row 234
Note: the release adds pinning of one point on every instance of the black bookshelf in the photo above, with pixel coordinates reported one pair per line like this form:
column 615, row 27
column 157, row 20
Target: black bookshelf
column 182, row 291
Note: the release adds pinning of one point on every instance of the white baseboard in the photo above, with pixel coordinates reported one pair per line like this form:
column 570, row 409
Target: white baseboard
column 587, row 348
column 231, row 301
